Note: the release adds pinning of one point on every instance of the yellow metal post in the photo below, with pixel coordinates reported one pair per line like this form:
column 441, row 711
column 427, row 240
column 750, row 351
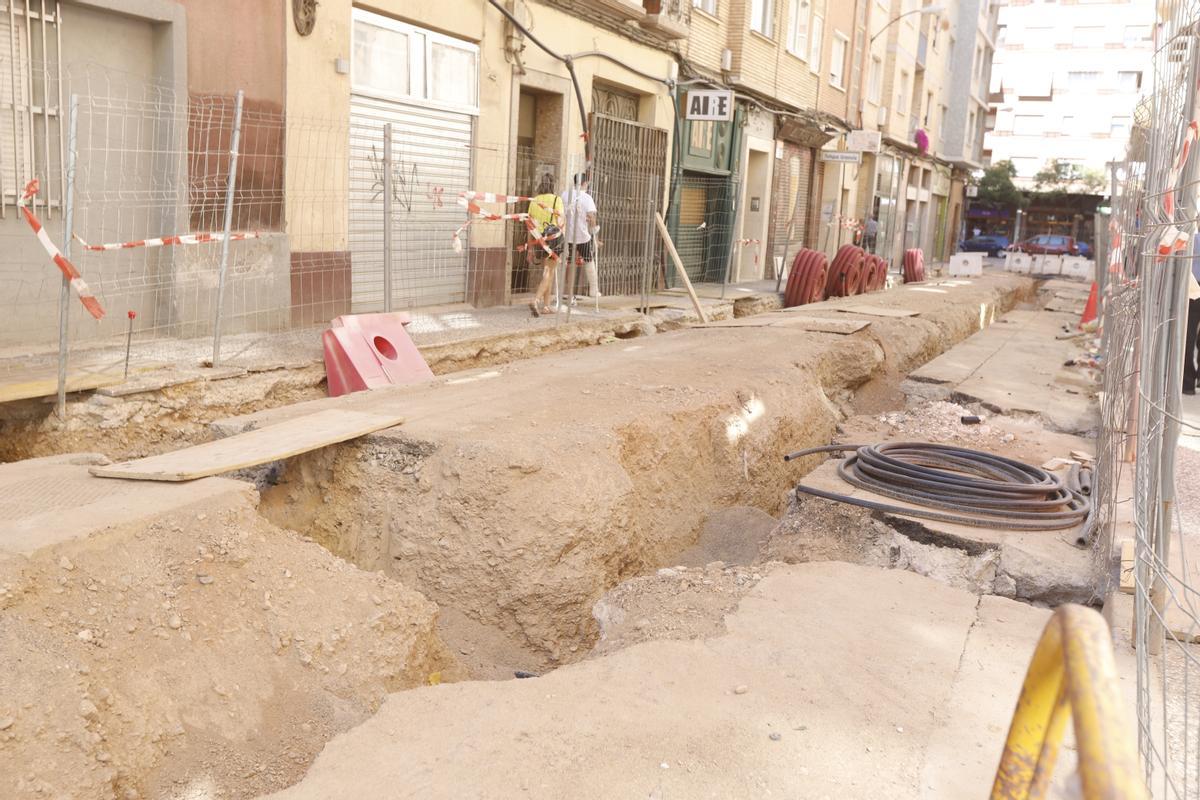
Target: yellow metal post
column 1072, row 672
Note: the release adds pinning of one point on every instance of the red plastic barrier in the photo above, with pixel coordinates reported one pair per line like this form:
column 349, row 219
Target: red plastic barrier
column 806, row 279
column 366, row 351
column 879, row 270
column 914, row 266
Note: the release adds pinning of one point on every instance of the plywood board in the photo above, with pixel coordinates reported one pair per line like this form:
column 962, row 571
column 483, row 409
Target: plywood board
column 1127, row 566
column 806, row 323
column 876, row 311
column 282, row 440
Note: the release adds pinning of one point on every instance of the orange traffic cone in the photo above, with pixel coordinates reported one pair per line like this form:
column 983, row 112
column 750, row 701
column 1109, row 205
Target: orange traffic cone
column 1089, row 310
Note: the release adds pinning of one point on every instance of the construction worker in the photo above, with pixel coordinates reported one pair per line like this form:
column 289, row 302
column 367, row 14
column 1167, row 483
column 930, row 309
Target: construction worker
column 546, row 211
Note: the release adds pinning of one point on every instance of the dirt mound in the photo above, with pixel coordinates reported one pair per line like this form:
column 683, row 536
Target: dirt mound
column 203, row 653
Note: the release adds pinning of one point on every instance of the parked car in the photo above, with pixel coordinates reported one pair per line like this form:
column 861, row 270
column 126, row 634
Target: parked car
column 992, row 244
column 1085, row 249
column 1050, row 244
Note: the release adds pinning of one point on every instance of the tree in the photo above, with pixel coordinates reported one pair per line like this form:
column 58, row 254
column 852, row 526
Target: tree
column 1063, row 177
column 996, row 186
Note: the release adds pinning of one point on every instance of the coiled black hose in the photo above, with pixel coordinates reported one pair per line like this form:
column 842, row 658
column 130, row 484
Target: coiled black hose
column 981, row 489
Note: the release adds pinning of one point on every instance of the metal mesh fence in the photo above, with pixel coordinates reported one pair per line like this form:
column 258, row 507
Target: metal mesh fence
column 1144, row 290
column 212, row 229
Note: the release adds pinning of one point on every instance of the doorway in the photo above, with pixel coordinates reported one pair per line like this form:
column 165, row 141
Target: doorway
column 754, row 217
column 538, row 156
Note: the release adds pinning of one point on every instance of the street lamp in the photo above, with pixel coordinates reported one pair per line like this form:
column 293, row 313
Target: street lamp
column 922, row 11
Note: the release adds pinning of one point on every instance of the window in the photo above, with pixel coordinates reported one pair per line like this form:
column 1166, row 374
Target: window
column 977, row 64
column 1119, row 127
column 797, row 42
column 1136, row 34
column 1039, row 37
column 1087, row 37
column 928, row 108
column 707, row 6
column 971, row 124
column 875, row 81
column 381, row 58
column 837, row 61
column 1129, row 81
column 760, row 16
column 701, row 142
column 392, row 59
column 902, row 94
column 1083, row 80
column 816, row 31
column 1029, row 125
column 1026, row 166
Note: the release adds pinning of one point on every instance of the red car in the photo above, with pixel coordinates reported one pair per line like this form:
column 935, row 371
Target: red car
column 1049, row 244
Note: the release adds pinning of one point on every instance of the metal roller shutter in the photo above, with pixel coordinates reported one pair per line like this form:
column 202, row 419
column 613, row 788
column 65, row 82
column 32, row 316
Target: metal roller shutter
column 431, row 150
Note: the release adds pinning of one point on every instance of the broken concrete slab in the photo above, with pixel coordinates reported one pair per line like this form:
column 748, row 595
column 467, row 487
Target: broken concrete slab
column 966, row 746
column 833, row 680
column 1043, row 566
column 1013, row 367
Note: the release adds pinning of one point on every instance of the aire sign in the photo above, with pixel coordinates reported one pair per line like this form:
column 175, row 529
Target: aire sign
column 710, row 104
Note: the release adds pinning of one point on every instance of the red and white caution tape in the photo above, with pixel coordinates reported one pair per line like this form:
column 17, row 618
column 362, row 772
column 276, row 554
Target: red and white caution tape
column 467, row 200
column 755, row 242
column 68, row 269
column 171, row 241
column 1189, row 138
column 1173, row 240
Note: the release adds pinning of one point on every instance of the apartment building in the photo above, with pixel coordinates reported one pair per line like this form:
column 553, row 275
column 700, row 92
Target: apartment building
column 1066, row 79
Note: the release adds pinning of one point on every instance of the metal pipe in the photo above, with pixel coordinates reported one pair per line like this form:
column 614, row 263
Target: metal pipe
column 230, row 188
column 64, row 292
column 647, row 262
column 387, row 217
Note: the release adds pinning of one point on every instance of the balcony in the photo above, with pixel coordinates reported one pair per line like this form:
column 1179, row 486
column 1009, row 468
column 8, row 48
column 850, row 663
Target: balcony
column 626, row 10
column 667, row 18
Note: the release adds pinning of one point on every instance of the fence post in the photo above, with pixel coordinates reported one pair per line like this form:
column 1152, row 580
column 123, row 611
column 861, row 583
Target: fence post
column 648, row 261
column 64, row 293
column 230, row 188
column 734, row 233
column 387, row 216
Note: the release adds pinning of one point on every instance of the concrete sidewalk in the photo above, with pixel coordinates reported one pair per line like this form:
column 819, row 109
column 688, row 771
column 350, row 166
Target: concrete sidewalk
column 834, row 681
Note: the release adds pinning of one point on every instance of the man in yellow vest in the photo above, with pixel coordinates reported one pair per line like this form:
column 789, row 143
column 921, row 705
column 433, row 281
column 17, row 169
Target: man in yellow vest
column 546, row 211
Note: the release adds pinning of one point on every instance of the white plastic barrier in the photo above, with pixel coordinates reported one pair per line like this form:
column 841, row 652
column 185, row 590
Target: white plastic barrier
column 966, row 265
column 1017, row 262
column 1046, row 265
column 1078, row 267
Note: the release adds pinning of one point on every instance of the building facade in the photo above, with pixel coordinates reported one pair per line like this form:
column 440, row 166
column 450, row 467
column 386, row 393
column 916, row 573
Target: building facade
column 1066, row 80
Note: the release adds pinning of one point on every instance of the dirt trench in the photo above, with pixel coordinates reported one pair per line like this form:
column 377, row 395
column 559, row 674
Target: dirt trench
column 521, row 521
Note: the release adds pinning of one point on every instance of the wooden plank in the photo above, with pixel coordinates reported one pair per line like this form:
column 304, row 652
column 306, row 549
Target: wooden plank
column 687, row 282
column 283, row 440
column 1127, row 566
column 806, row 323
column 876, row 311
column 29, row 387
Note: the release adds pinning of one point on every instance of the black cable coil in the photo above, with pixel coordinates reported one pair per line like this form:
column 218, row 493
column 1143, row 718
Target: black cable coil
column 981, row 489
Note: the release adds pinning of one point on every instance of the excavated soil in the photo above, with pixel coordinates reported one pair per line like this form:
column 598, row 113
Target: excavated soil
column 208, row 654
column 519, row 496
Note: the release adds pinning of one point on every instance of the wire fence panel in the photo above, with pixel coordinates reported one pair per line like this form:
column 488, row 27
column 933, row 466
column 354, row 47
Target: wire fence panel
column 1144, row 281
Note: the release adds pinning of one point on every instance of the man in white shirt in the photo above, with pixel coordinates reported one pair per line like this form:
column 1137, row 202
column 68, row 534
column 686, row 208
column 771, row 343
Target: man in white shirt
column 580, row 213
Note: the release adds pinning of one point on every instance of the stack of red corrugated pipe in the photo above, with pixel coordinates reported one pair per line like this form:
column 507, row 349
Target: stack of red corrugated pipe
column 806, row 280
column 877, row 270
column 914, row 266
column 848, row 273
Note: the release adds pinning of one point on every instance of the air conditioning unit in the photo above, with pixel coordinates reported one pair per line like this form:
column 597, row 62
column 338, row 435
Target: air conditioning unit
column 883, row 116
